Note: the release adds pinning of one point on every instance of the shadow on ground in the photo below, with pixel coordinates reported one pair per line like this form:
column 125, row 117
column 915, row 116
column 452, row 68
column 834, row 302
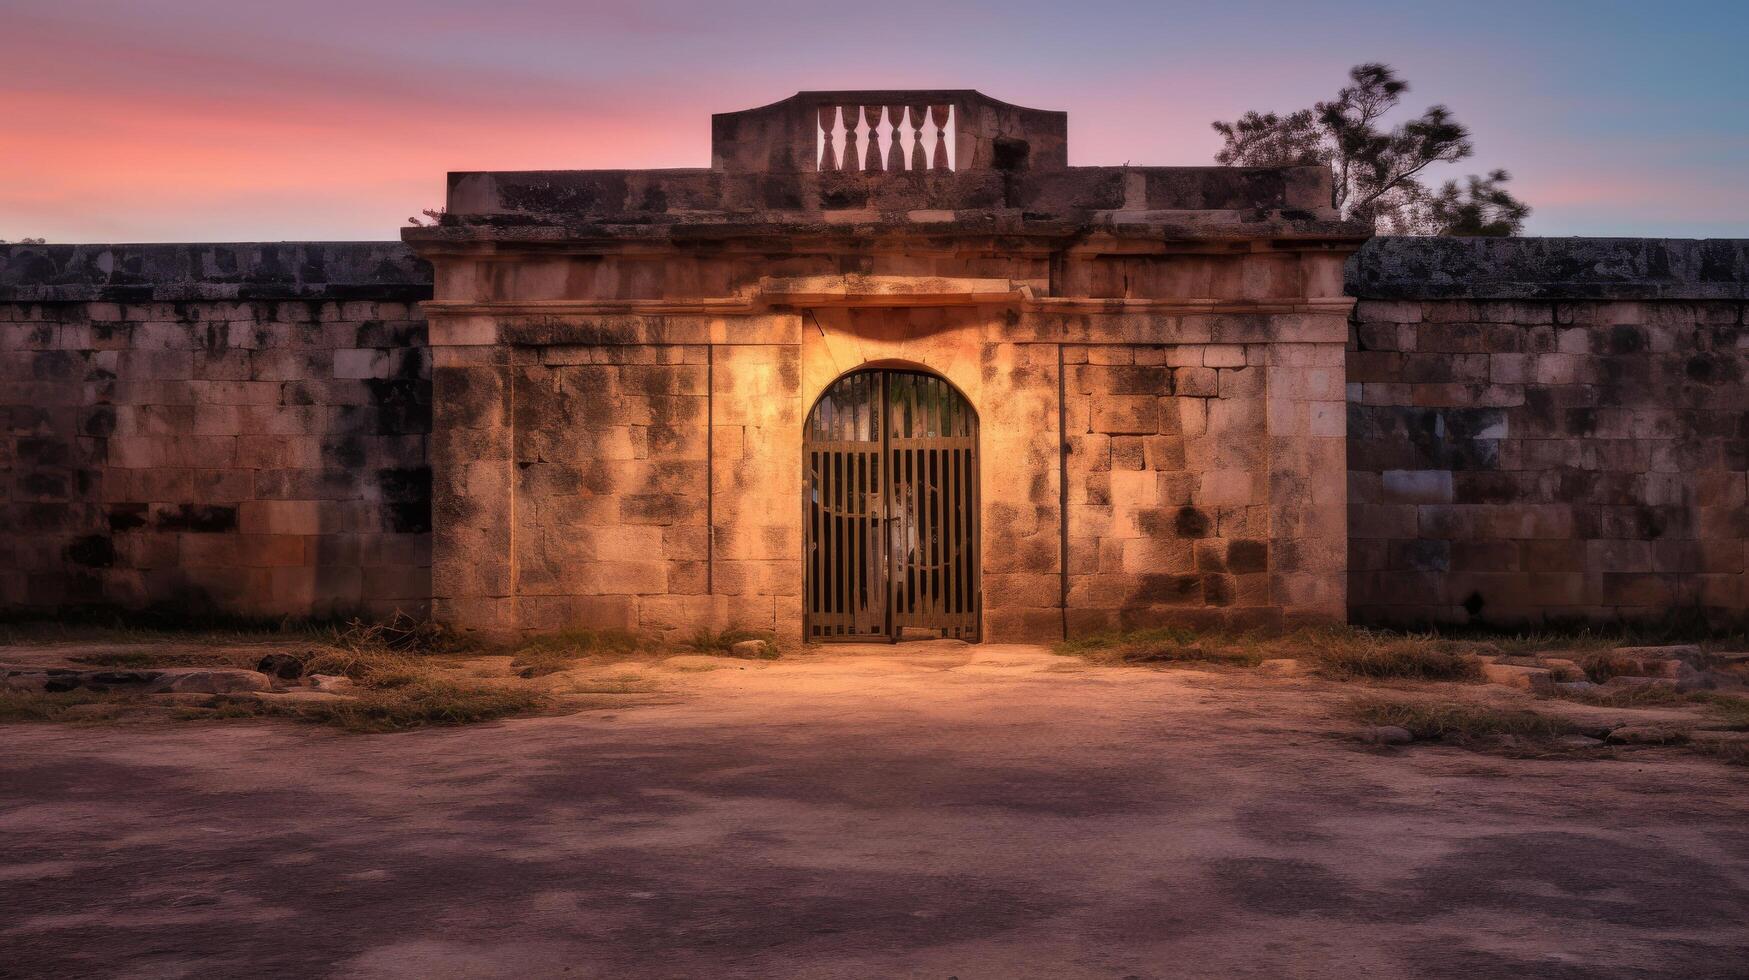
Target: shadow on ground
column 935, row 810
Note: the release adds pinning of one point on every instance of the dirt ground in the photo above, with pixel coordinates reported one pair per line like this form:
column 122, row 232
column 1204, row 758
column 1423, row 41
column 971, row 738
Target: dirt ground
column 927, row 810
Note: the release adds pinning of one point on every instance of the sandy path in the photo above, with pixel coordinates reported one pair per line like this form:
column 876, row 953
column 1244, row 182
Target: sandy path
column 927, row 811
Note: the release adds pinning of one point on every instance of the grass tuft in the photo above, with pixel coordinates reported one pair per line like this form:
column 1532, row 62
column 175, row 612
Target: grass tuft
column 1460, row 721
column 554, row 652
column 721, row 643
column 28, row 706
column 1165, row 645
column 400, row 706
column 1401, row 659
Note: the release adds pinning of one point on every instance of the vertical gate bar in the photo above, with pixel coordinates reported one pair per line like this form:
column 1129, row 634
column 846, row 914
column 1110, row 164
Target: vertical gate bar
column 886, row 523
column 959, row 546
column 859, row 547
column 843, row 534
column 925, row 457
column 950, row 549
column 935, row 504
column 864, row 595
column 839, row 533
column 910, row 540
column 977, row 538
column 962, row 535
column 830, row 544
column 906, row 510
column 810, row 545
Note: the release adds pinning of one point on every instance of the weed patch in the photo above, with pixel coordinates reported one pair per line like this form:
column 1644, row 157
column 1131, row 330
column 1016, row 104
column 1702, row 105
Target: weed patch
column 1400, row 659
column 1165, row 645
column 555, row 652
column 27, row 706
column 400, row 706
column 1427, row 720
column 721, row 643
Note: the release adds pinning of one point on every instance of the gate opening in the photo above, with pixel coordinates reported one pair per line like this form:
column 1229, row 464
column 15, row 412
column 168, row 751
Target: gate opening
column 890, row 509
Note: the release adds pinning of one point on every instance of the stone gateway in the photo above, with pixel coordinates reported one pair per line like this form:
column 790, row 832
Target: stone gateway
column 888, row 367
column 624, row 365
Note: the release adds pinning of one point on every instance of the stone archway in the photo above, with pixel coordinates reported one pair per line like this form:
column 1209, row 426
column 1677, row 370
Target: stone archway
column 890, row 508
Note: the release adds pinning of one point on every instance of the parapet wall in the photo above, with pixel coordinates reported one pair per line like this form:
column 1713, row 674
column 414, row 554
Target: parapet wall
column 232, row 429
column 1544, row 430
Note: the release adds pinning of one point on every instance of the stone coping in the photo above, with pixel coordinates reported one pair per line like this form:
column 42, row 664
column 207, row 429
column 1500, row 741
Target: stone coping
column 1385, row 268
column 1551, row 269
column 387, row 271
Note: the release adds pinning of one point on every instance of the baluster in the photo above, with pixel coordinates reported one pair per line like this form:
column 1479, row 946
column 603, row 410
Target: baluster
column 851, row 158
column 828, row 116
column 918, row 160
column 938, row 113
column 871, row 114
column 895, row 152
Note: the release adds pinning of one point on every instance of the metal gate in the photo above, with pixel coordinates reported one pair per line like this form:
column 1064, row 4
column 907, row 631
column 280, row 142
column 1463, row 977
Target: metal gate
column 890, row 507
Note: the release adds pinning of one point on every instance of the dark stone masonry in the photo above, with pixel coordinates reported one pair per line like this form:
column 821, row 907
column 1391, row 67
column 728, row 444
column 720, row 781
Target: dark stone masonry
column 198, row 429
column 1539, row 429
column 1547, row 430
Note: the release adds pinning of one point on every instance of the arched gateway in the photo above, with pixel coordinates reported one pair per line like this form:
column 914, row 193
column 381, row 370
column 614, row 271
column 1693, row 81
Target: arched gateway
column 890, row 508
column 624, row 362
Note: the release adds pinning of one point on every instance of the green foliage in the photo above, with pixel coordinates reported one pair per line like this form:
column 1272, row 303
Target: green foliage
column 1379, row 172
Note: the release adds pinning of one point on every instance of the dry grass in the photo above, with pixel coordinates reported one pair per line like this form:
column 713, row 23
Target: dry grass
column 28, row 706
column 1647, row 696
column 721, row 643
column 416, row 703
column 1340, row 653
column 1459, row 722
column 555, row 652
column 1729, row 711
column 1164, row 645
column 1378, row 656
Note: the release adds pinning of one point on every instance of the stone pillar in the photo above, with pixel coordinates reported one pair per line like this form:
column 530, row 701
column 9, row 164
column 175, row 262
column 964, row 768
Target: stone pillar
column 1308, row 470
column 473, row 581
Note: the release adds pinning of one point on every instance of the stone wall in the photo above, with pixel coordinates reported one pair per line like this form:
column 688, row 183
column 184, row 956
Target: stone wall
column 1545, row 430
column 229, row 429
column 1537, row 430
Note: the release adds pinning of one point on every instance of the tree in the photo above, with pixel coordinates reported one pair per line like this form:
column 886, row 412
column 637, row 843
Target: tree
column 1379, row 173
column 25, row 241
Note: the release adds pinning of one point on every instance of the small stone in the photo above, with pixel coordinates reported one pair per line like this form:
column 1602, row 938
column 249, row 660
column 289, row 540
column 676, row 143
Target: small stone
column 1511, row 675
column 203, row 681
column 752, row 650
column 281, row 665
column 1573, row 687
column 332, row 683
column 1647, row 735
column 1679, row 651
column 24, row 680
column 299, row 696
column 1579, row 742
column 1624, row 680
column 1389, row 735
column 1711, row 737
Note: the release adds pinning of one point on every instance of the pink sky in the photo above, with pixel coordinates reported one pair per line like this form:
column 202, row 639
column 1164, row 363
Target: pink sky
column 201, row 120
